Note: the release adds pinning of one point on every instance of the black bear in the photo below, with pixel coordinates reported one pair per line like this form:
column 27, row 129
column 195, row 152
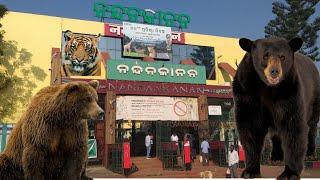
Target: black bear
column 276, row 89
column 50, row 140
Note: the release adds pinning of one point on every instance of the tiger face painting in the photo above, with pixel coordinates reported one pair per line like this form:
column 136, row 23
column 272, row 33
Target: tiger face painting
column 81, row 56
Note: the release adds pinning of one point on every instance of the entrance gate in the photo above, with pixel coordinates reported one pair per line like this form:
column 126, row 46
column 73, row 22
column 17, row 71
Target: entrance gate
column 168, row 152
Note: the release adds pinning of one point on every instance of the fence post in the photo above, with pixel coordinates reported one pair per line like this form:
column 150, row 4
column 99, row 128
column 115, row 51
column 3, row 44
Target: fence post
column 4, row 136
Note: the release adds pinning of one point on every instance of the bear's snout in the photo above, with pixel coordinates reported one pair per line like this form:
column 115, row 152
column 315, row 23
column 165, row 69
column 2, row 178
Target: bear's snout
column 274, row 72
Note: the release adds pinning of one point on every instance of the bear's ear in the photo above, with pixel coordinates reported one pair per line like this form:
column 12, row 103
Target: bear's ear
column 94, row 84
column 245, row 44
column 295, row 44
column 68, row 35
column 72, row 88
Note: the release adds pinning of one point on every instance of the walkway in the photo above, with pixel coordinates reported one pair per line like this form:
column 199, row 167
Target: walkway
column 152, row 168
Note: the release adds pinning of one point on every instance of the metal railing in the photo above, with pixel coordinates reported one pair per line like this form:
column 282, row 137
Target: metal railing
column 172, row 156
column 115, row 158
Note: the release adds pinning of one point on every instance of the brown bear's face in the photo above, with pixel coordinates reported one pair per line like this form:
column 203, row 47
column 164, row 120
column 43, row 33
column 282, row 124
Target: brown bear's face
column 83, row 99
column 272, row 58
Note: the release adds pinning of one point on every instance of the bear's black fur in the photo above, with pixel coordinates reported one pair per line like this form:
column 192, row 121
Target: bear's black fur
column 276, row 89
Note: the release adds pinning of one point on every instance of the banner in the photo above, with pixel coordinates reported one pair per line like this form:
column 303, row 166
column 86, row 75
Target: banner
column 153, row 108
column 156, row 71
column 92, row 148
column 142, row 40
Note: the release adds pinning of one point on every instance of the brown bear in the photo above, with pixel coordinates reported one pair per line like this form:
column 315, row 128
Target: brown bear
column 50, row 140
column 276, row 90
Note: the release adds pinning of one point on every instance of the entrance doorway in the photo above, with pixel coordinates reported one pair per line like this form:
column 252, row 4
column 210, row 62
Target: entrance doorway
column 136, row 131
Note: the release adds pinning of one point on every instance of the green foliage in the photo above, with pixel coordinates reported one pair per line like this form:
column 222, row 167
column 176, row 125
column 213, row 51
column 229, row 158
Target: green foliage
column 18, row 77
column 296, row 18
column 3, row 11
column 204, row 56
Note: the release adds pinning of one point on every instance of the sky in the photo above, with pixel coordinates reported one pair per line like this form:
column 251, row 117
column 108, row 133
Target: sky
column 229, row 18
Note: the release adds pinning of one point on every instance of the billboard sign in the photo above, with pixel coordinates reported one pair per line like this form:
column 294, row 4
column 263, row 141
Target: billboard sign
column 142, row 40
column 116, row 30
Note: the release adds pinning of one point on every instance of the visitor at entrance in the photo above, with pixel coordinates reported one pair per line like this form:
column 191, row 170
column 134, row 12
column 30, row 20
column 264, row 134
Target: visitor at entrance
column 233, row 161
column 192, row 145
column 187, row 155
column 148, row 141
column 151, row 143
column 205, row 152
column 175, row 138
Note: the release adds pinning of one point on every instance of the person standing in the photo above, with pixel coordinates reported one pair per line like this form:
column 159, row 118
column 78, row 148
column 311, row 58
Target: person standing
column 205, row 152
column 187, row 155
column 151, row 143
column 233, row 162
column 175, row 138
column 148, row 144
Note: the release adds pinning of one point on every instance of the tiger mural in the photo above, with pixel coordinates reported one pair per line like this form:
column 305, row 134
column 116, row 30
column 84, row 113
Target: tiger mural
column 81, row 56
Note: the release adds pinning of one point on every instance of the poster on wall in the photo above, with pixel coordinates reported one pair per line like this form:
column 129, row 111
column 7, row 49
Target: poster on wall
column 142, row 40
column 153, row 108
column 81, row 55
column 214, row 110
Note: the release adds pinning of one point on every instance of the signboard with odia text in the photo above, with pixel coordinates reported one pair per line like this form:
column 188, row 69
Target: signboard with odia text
column 134, row 14
column 155, row 71
column 153, row 108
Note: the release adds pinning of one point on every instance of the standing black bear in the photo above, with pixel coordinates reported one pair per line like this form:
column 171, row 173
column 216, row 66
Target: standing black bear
column 276, row 89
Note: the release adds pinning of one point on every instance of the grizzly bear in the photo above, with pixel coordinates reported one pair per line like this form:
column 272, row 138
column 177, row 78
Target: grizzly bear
column 50, row 139
column 276, row 90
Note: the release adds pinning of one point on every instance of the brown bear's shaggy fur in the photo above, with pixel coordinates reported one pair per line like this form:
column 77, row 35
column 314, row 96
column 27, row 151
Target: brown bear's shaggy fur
column 50, row 140
column 276, row 90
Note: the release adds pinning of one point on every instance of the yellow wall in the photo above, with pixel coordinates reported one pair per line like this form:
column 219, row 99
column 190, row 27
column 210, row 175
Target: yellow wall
column 39, row 34
column 226, row 50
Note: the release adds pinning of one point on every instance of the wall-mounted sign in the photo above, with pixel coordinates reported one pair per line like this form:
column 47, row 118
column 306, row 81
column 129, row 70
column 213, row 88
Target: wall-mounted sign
column 155, row 71
column 92, row 148
column 214, row 110
column 160, row 89
column 153, row 108
column 133, row 14
column 116, row 30
column 142, row 40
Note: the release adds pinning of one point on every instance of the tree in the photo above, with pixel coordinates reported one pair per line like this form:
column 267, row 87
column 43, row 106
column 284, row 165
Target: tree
column 294, row 18
column 204, row 56
column 3, row 11
column 18, row 77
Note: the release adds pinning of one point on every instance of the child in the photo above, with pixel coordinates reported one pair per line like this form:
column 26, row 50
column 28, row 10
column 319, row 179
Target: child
column 187, row 155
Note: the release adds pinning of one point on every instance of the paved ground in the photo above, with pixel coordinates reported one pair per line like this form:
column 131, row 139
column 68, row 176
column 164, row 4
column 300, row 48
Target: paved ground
column 152, row 168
